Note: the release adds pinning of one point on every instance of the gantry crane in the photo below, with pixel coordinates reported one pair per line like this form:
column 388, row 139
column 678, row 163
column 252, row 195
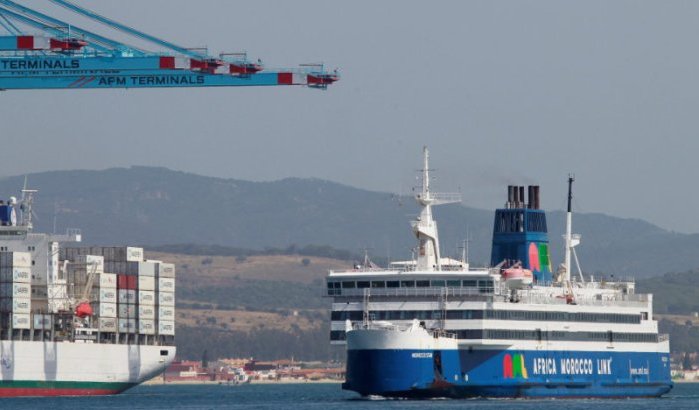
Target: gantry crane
column 65, row 56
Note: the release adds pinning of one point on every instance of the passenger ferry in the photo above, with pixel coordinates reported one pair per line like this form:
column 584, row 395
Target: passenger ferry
column 436, row 327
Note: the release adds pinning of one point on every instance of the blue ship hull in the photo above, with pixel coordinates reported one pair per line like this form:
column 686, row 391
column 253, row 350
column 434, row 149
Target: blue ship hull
column 507, row 373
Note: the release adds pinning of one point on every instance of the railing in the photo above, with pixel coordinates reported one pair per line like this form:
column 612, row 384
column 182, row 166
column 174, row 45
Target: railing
column 500, row 294
column 415, row 292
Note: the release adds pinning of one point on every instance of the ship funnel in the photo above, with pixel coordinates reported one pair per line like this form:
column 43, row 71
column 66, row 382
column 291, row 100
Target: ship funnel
column 537, row 200
column 510, row 196
column 521, row 197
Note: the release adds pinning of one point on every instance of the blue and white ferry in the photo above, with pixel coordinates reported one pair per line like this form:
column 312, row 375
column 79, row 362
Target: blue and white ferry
column 436, row 327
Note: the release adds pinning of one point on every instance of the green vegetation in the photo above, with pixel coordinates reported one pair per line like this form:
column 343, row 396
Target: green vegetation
column 673, row 293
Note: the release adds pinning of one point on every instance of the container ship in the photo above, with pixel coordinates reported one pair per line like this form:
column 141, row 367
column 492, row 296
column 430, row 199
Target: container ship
column 436, row 327
column 75, row 320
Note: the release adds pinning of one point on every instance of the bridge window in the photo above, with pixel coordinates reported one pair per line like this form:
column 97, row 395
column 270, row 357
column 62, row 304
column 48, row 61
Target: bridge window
column 349, row 285
column 407, row 284
column 423, row 283
column 438, row 283
column 392, row 284
column 378, row 284
column 362, row 284
column 454, row 283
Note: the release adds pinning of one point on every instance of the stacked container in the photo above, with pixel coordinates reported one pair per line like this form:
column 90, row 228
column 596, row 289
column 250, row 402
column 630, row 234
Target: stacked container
column 15, row 289
column 104, row 293
column 165, row 291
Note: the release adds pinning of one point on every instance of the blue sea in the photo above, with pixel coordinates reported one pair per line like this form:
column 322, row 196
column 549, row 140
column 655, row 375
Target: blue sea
column 326, row 396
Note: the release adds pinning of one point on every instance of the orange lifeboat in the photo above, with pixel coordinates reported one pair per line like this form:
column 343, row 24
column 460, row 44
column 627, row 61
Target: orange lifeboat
column 517, row 278
column 83, row 310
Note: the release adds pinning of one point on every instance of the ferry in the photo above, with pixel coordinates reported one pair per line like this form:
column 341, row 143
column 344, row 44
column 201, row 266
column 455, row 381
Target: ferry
column 436, row 327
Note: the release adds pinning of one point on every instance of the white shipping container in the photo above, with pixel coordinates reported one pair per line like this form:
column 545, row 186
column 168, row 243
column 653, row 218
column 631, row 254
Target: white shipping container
column 146, row 297
column 146, row 312
column 166, row 270
column 166, row 328
column 21, row 321
column 42, row 321
column 166, row 313
column 134, row 254
column 166, row 299
column 16, row 259
column 107, row 324
column 15, row 290
column 127, row 325
column 146, row 282
column 166, row 285
column 141, row 268
column 127, row 311
column 105, row 309
column 126, row 296
column 91, row 263
column 15, row 274
column 108, row 280
column 16, row 305
column 108, row 295
column 146, row 326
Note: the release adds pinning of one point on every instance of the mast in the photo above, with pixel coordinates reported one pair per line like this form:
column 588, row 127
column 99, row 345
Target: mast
column 425, row 227
column 569, row 229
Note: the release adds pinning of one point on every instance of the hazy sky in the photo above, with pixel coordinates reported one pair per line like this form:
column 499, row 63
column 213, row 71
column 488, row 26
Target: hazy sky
column 502, row 92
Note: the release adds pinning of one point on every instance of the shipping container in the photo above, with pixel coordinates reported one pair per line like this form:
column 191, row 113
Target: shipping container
column 166, row 328
column 107, row 324
column 15, row 290
column 141, row 268
column 126, row 296
column 21, row 321
column 146, row 312
column 146, row 297
column 127, row 325
column 166, row 299
column 166, row 285
column 146, row 283
column 166, row 270
column 92, row 263
column 108, row 280
column 16, row 305
column 146, row 326
column 106, row 295
column 15, row 274
column 166, row 313
column 127, row 311
column 115, row 267
column 42, row 321
column 110, row 254
column 16, row 259
column 105, row 309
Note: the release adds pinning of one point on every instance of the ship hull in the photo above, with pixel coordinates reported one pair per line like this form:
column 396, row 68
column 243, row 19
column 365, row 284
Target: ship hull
column 77, row 369
column 507, row 372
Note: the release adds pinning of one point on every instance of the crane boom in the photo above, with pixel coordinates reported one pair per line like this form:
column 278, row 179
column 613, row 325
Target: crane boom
column 44, row 21
column 129, row 30
column 69, row 57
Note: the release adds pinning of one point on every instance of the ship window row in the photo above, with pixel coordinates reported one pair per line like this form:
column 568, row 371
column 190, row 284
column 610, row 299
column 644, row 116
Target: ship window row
column 502, row 334
column 356, row 315
column 484, row 285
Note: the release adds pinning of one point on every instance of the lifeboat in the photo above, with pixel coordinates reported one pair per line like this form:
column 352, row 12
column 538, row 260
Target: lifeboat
column 517, row 277
column 83, row 310
column 322, row 79
column 245, row 67
column 67, row 44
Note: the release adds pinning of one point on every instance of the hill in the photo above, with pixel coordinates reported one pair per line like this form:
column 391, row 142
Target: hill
column 157, row 206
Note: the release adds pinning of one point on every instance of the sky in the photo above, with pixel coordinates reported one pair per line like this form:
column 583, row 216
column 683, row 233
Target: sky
column 502, row 92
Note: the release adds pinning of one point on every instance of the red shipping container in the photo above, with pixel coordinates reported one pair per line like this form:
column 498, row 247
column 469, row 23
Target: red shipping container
column 122, row 281
column 132, row 282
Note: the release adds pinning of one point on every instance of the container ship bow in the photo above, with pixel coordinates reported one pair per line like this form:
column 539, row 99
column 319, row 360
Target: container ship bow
column 436, row 327
column 78, row 320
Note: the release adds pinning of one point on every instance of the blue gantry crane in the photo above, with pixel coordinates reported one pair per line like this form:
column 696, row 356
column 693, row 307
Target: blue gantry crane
column 65, row 56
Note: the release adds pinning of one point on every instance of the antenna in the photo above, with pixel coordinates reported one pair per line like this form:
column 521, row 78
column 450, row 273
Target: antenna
column 26, row 205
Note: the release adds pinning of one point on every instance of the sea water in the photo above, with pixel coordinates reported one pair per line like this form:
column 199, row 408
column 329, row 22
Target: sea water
column 327, row 396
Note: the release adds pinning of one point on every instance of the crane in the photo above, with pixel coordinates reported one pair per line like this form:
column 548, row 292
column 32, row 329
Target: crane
column 65, row 56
